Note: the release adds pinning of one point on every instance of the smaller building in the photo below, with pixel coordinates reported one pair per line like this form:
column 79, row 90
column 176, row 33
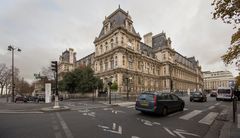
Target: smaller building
column 67, row 62
column 86, row 61
column 213, row 80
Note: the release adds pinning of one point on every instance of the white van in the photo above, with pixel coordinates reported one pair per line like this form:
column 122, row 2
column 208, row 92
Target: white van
column 224, row 93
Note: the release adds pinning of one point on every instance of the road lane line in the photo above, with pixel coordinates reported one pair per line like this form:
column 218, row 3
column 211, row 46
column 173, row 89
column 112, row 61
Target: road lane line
column 170, row 132
column 209, row 118
column 64, row 126
column 190, row 115
column 238, row 120
column 211, row 107
column 217, row 103
column 14, row 112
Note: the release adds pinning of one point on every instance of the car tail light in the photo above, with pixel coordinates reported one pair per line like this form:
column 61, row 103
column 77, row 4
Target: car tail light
column 155, row 102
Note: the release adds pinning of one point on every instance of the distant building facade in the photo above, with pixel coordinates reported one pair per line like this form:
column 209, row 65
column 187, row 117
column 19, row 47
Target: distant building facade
column 213, row 80
column 121, row 57
column 67, row 62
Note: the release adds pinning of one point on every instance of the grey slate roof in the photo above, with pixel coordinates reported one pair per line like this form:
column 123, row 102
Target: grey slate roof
column 117, row 19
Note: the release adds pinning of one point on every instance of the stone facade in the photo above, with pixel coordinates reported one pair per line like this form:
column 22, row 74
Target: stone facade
column 67, row 62
column 213, row 80
column 120, row 56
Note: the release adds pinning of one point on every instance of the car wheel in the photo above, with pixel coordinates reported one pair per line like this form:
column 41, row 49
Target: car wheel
column 182, row 107
column 217, row 99
column 164, row 111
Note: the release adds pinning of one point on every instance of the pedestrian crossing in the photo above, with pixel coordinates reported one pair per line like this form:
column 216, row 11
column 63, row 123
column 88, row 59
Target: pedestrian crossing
column 207, row 118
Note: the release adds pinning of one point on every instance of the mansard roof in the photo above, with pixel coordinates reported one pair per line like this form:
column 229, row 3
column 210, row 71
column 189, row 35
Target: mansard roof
column 117, row 19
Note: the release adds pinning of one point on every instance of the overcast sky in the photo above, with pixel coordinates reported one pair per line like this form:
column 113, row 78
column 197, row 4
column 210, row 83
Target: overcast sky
column 43, row 29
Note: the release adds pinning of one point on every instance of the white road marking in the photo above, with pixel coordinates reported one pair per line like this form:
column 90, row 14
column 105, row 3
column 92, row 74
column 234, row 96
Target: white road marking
column 185, row 109
column 238, row 120
column 211, row 107
column 135, row 137
column 180, row 134
column 217, row 103
column 156, row 123
column 114, row 126
column 209, row 118
column 64, row 126
column 170, row 132
column 112, row 131
column 14, row 112
column 131, row 106
column 104, row 127
column 190, row 115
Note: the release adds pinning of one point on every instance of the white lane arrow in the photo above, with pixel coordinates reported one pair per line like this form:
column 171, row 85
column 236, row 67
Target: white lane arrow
column 180, row 133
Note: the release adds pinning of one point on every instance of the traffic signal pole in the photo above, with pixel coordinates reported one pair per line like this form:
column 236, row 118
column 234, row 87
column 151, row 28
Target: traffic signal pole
column 54, row 66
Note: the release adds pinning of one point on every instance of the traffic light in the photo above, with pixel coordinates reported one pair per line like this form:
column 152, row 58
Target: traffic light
column 54, row 66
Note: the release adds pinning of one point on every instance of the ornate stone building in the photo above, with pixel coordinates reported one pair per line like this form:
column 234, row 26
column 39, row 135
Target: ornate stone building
column 213, row 80
column 120, row 56
column 67, row 62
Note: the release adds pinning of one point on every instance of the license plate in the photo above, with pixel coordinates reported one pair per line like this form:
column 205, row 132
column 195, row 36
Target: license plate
column 195, row 98
column 144, row 103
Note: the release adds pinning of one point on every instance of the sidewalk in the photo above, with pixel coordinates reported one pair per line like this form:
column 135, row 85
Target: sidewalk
column 231, row 129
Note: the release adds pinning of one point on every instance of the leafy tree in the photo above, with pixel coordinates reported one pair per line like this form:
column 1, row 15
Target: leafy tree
column 114, row 86
column 80, row 80
column 229, row 12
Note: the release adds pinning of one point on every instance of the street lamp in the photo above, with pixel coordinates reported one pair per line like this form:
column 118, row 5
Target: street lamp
column 12, row 48
column 128, row 78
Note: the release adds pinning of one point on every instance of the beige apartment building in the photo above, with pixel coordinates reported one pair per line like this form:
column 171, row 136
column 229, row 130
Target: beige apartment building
column 121, row 57
column 213, row 80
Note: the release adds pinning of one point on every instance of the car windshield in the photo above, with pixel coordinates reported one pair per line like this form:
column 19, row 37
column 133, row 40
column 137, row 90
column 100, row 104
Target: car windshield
column 224, row 91
column 148, row 97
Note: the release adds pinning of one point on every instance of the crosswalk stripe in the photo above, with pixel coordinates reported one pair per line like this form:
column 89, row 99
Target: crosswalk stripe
column 238, row 120
column 211, row 107
column 190, row 115
column 131, row 106
column 209, row 118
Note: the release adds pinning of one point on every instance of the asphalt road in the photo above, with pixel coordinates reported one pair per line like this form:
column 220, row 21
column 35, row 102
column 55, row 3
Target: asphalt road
column 103, row 121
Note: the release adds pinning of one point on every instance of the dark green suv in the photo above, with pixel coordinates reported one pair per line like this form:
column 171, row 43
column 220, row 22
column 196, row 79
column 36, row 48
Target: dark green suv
column 159, row 102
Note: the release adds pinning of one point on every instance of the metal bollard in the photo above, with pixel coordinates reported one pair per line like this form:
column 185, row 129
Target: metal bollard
column 234, row 108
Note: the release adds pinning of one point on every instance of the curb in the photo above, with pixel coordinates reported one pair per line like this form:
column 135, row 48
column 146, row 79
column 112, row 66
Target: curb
column 51, row 109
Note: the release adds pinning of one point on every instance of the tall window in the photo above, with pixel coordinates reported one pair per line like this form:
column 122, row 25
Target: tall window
column 130, row 62
column 101, row 66
column 106, row 65
column 111, row 43
column 101, row 49
column 112, row 63
column 116, row 61
column 164, row 70
column 123, row 60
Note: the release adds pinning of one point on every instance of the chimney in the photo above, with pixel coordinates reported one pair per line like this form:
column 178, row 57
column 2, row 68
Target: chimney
column 148, row 39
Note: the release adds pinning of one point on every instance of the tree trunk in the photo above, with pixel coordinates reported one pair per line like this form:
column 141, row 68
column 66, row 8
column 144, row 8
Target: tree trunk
column 2, row 89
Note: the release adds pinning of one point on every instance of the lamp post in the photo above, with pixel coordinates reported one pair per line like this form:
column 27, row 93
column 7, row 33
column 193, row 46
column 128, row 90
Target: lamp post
column 128, row 78
column 12, row 48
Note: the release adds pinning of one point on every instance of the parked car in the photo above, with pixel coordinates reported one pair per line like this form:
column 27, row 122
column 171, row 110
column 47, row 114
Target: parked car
column 21, row 98
column 198, row 96
column 31, row 98
column 40, row 98
column 213, row 94
column 158, row 102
